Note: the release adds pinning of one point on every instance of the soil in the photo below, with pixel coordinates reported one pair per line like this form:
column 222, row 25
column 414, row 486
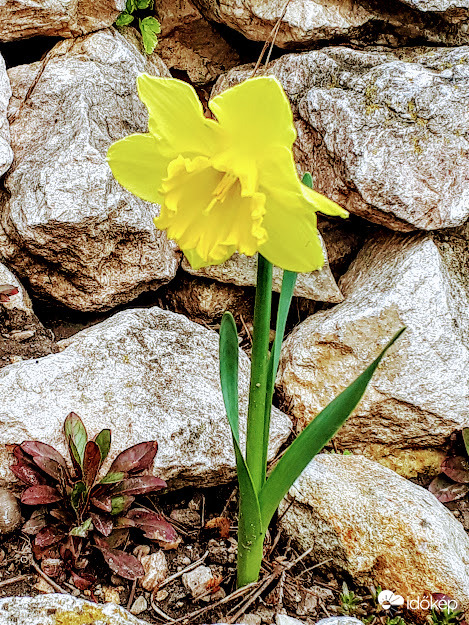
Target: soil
column 307, row 591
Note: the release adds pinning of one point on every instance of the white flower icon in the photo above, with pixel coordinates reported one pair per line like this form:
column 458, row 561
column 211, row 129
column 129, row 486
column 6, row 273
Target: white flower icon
column 387, row 599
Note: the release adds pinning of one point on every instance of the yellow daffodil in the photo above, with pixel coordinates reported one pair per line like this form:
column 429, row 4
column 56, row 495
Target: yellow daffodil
column 228, row 184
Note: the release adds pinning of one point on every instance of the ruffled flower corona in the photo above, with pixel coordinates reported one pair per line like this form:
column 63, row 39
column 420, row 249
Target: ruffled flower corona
column 226, row 184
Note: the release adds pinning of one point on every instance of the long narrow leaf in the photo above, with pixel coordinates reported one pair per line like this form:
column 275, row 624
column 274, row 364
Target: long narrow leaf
column 313, row 438
column 286, row 294
column 229, row 370
column 229, row 352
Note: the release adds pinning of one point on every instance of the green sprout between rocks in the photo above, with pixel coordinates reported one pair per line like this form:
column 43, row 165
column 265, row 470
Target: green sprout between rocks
column 148, row 25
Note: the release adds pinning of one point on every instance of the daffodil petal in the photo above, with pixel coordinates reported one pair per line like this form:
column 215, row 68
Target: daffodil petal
column 176, row 117
column 323, row 204
column 206, row 215
column 137, row 165
column 290, row 220
column 256, row 114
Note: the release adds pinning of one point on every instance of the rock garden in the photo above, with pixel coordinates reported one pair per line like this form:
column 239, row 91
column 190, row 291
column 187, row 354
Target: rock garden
column 304, row 165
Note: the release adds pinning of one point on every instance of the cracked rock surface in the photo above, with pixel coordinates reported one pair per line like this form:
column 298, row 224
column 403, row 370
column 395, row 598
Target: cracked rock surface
column 311, row 22
column 58, row 18
column 6, row 153
column 66, row 224
column 419, row 395
column 378, row 527
column 145, row 374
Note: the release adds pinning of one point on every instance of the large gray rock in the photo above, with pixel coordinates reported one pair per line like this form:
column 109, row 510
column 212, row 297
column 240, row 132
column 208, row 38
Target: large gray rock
column 56, row 609
column 383, row 132
column 308, row 22
column 189, row 43
column 146, row 374
column 58, row 18
column 377, row 526
column 6, row 153
column 420, row 393
column 67, row 225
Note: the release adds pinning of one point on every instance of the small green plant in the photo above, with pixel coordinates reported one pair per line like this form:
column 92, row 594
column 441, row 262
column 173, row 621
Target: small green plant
column 75, row 511
column 453, row 481
column 445, row 616
column 350, row 603
column 396, row 620
column 149, row 26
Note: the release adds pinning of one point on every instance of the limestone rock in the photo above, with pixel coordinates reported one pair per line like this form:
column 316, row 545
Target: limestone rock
column 378, row 527
column 6, row 154
column 241, row 270
column 205, row 301
column 58, row 18
column 309, row 22
column 10, row 513
column 22, row 335
column 57, row 609
column 419, row 395
column 67, row 225
column 189, row 43
column 156, row 570
column 383, row 132
column 145, row 374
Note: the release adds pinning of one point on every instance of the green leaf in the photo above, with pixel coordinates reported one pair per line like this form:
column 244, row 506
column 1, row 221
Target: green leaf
column 249, row 522
column 313, row 438
column 286, row 294
column 113, row 478
column 82, row 530
column 307, row 180
column 149, row 27
column 131, row 6
column 124, row 19
column 144, row 4
column 76, row 436
column 119, row 503
column 75, row 498
column 103, row 441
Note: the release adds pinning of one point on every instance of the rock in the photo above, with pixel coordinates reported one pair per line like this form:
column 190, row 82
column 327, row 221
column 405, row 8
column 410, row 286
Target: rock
column 21, row 333
column 205, row 301
column 146, row 374
column 283, row 619
column 340, row 620
column 83, row 240
column 419, row 395
column 188, row 43
column 156, row 570
column 186, row 517
column 57, row 609
column 58, row 18
column 306, row 23
column 241, row 270
column 139, row 605
column 250, row 619
column 10, row 513
column 196, row 581
column 381, row 131
column 378, row 527
column 111, row 595
column 6, row 153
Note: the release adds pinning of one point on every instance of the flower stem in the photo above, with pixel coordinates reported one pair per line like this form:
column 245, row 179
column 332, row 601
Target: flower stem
column 259, row 370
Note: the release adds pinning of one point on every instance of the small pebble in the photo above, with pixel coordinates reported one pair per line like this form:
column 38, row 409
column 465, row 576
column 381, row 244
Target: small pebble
column 161, row 595
column 156, row 570
column 141, row 550
column 111, row 595
column 139, row 605
column 196, row 581
column 10, row 514
column 250, row 619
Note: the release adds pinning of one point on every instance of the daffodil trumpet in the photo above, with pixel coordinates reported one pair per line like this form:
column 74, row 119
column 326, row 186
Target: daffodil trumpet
column 230, row 184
